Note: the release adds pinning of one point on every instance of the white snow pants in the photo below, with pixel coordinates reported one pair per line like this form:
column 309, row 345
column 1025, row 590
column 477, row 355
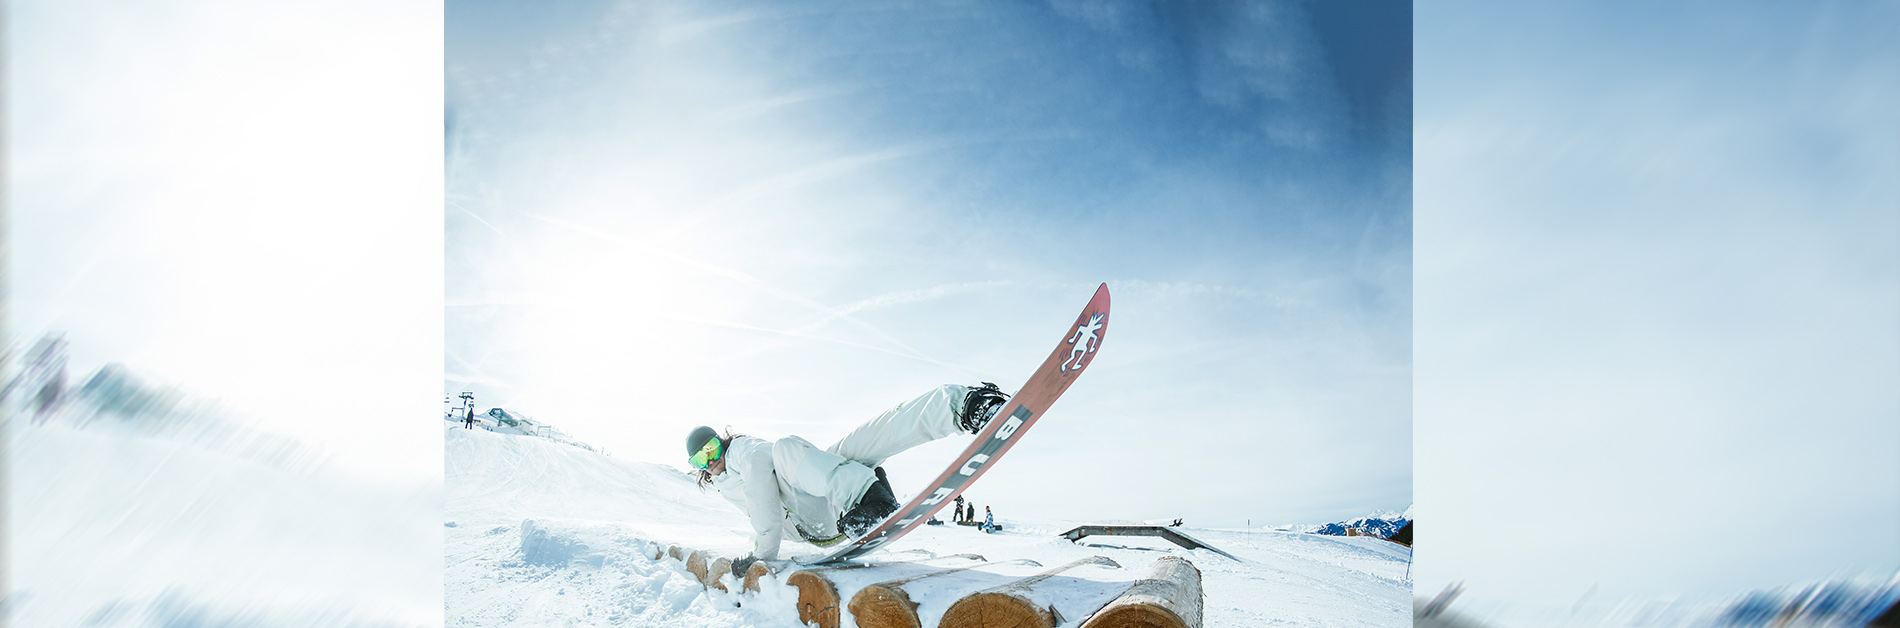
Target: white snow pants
column 930, row 416
column 842, row 473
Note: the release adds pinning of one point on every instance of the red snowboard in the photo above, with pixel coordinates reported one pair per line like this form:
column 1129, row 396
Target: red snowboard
column 1073, row 355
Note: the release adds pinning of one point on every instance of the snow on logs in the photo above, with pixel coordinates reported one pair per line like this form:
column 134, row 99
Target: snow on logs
column 819, row 602
column 1040, row 601
column 1092, row 589
column 895, row 603
column 1170, row 597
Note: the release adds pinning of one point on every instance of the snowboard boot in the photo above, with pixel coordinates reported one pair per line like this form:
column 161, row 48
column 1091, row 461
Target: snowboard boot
column 877, row 503
column 979, row 406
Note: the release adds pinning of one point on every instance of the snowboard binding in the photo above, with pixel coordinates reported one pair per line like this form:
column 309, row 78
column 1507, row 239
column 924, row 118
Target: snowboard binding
column 979, row 406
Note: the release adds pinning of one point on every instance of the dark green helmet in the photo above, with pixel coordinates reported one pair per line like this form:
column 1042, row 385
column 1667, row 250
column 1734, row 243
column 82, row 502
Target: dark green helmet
column 698, row 438
column 709, row 448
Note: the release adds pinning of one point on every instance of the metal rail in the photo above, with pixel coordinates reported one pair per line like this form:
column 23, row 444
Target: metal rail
column 1176, row 536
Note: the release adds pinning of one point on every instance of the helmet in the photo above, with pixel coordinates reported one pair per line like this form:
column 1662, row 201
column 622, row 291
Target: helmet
column 698, row 439
column 710, row 448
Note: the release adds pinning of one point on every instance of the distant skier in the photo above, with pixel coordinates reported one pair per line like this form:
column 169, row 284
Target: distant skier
column 827, row 496
column 989, row 520
column 468, row 421
column 1176, row 524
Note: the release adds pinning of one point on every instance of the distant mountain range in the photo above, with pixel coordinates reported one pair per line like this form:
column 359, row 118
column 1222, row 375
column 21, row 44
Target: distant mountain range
column 1380, row 524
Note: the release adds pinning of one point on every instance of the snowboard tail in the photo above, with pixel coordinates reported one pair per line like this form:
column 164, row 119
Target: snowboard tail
column 1071, row 356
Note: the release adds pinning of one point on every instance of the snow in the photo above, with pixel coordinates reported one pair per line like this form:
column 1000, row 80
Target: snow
column 543, row 533
column 188, row 521
column 185, row 520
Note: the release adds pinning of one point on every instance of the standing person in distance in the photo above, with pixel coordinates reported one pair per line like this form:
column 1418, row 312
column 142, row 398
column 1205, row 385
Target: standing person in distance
column 829, row 495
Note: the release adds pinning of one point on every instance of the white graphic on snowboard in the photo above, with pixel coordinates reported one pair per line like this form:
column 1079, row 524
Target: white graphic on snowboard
column 1084, row 341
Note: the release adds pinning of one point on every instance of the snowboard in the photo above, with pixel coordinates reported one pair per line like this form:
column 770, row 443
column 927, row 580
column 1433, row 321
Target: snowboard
column 1064, row 365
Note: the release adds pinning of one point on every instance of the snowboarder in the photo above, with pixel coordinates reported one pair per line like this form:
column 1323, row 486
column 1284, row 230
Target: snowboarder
column 989, row 520
column 969, row 515
column 957, row 512
column 829, row 495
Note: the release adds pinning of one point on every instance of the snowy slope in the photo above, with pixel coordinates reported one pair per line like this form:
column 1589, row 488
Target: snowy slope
column 591, row 519
column 199, row 523
column 496, row 481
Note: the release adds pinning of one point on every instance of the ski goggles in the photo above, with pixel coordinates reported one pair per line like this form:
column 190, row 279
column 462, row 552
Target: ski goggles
column 706, row 455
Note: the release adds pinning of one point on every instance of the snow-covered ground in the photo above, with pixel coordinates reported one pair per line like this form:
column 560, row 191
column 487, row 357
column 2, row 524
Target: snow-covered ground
column 592, row 518
column 185, row 519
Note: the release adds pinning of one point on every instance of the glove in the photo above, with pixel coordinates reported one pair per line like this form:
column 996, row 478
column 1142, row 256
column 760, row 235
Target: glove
column 740, row 566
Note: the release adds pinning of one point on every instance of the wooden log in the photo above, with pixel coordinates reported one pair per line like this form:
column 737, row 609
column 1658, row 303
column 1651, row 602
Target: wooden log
column 696, row 564
column 707, row 568
column 1170, row 597
column 887, row 605
column 718, row 569
column 818, row 598
column 754, row 573
column 1010, row 606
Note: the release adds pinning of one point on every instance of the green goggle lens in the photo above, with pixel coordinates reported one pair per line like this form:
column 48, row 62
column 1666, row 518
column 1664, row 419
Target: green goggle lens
column 706, row 454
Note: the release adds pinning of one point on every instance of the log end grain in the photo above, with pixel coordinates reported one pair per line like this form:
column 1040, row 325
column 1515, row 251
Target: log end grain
column 696, row 563
column 1130, row 613
column 817, row 599
column 996, row 610
column 753, row 574
column 878, row 606
column 1170, row 597
column 718, row 569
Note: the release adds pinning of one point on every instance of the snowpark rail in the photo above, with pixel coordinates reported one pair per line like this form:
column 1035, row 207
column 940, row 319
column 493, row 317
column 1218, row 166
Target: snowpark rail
column 1176, row 536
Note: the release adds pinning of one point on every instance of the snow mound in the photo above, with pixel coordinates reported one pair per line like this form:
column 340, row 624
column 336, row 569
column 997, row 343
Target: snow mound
column 557, row 542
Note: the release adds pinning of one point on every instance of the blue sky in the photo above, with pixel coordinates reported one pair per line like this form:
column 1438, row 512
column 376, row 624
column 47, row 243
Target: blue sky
column 669, row 214
column 1659, row 279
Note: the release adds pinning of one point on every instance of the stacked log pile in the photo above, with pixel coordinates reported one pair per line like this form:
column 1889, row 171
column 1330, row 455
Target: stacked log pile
column 821, row 589
column 1093, row 591
column 1014, row 602
column 890, row 602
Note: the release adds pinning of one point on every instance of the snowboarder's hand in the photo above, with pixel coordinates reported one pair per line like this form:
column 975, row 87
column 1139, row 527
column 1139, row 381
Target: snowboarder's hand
column 740, row 566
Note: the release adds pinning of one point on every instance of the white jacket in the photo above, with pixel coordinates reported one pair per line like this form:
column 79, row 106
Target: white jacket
column 790, row 481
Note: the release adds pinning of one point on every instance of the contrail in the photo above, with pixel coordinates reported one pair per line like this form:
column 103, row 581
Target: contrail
column 755, row 283
column 801, row 334
column 900, row 297
column 477, row 218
